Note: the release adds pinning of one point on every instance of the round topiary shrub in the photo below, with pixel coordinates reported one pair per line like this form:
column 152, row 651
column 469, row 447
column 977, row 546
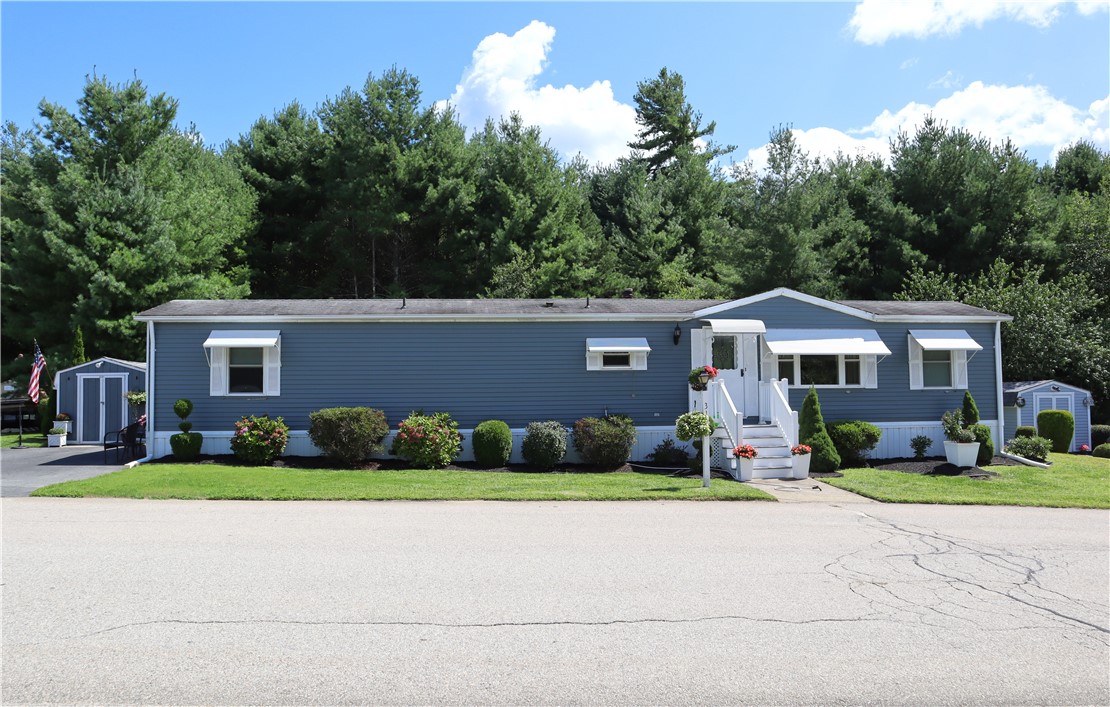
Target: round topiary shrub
column 347, row 435
column 1100, row 435
column 853, row 440
column 260, row 440
column 1026, row 431
column 812, row 432
column 605, row 441
column 545, row 444
column 493, row 443
column 985, row 439
column 1058, row 426
column 185, row 444
column 428, row 441
column 1102, row 450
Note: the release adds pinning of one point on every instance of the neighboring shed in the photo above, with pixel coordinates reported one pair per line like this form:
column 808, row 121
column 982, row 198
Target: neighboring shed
column 93, row 393
column 1022, row 401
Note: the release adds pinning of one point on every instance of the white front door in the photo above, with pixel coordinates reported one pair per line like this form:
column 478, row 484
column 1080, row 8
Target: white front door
column 736, row 357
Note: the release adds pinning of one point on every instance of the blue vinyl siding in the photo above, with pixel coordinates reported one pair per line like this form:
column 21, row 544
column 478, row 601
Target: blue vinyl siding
column 892, row 401
column 517, row 372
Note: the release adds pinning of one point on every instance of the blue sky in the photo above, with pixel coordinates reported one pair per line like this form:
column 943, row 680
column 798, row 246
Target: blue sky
column 845, row 75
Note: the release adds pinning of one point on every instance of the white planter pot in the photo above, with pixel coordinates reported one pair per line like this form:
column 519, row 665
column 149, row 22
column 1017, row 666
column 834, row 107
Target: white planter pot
column 801, row 466
column 64, row 424
column 744, row 468
column 55, row 440
column 961, row 454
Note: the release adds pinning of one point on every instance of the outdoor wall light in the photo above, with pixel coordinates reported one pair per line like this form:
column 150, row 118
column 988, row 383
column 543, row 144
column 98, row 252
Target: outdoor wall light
column 1020, row 402
column 1056, row 388
column 1088, row 401
column 677, row 334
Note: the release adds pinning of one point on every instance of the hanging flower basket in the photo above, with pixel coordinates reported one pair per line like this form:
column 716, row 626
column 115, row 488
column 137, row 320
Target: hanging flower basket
column 699, row 377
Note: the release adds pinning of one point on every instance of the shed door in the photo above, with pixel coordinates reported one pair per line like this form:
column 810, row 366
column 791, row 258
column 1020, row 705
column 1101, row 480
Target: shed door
column 1054, row 401
column 88, row 410
column 100, row 405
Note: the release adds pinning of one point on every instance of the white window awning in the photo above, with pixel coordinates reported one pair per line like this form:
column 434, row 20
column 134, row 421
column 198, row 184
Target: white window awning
column 811, row 342
column 617, row 345
column 242, row 339
column 944, row 340
column 736, row 326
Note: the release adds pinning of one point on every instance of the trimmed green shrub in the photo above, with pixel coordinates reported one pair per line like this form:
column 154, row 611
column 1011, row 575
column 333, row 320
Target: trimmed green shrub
column 1035, row 448
column 185, row 444
column 605, row 441
column 986, row 443
column 920, row 445
column 428, row 441
column 259, row 440
column 1058, row 426
column 43, row 413
column 693, row 425
column 853, row 440
column 56, row 431
column 970, row 410
column 493, row 443
column 545, row 444
column 347, row 435
column 813, row 433
column 1025, row 431
column 1100, row 435
column 667, row 453
column 1102, row 450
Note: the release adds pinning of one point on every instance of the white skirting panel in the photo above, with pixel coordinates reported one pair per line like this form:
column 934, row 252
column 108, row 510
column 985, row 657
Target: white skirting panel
column 647, row 438
column 895, row 442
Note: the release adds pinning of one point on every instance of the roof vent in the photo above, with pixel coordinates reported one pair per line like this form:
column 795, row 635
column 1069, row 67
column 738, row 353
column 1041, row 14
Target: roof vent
column 627, row 294
column 548, row 304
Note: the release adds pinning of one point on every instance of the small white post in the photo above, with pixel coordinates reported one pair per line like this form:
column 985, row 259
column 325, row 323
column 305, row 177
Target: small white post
column 706, row 451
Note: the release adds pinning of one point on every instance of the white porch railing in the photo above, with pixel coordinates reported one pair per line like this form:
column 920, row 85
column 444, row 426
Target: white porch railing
column 781, row 414
column 724, row 410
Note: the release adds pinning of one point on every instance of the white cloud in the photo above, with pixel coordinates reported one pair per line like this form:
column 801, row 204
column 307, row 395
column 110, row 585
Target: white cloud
column 502, row 78
column 909, row 63
column 876, row 21
column 949, row 80
column 1029, row 116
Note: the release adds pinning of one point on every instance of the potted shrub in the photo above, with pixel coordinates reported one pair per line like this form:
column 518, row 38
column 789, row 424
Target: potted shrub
column 801, row 456
column 745, row 454
column 56, row 437
column 64, row 421
column 960, row 447
column 699, row 377
column 136, row 401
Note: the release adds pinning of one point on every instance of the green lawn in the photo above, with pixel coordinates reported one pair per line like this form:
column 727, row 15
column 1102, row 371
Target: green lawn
column 215, row 481
column 1071, row 482
column 29, row 440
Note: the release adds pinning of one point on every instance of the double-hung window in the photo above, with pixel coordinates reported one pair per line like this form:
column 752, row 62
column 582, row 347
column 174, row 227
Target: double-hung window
column 843, row 358
column 938, row 358
column 244, row 363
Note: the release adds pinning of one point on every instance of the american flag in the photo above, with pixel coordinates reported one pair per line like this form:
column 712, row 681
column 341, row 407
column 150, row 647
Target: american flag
column 36, row 370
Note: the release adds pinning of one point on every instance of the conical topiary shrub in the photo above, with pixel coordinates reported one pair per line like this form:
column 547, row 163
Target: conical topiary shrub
column 970, row 410
column 812, row 432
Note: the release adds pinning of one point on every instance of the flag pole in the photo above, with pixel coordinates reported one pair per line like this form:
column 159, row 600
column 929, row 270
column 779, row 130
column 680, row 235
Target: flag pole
column 19, row 444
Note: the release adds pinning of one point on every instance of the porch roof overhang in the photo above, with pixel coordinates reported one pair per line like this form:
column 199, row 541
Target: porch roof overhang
column 242, row 339
column 810, row 342
column 736, row 326
column 631, row 345
column 944, row 340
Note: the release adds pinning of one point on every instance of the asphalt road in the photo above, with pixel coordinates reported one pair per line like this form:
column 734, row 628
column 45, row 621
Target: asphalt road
column 119, row 601
column 24, row 470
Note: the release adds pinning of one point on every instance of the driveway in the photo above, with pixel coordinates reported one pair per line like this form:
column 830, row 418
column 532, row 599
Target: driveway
column 228, row 602
column 24, row 470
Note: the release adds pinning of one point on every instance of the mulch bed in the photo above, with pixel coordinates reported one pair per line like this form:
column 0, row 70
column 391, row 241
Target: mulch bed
column 937, row 466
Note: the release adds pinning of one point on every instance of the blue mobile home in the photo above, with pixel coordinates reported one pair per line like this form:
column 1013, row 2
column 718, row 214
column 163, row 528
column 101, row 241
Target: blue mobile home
column 899, row 365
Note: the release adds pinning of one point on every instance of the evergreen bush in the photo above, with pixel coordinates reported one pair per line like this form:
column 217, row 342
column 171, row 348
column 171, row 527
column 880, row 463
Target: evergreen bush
column 349, row 434
column 185, row 444
column 545, row 444
column 970, row 410
column 813, row 433
column 1035, row 448
column 260, row 440
column 1025, row 431
column 1102, row 450
column 920, row 445
column 985, row 439
column 1058, row 426
column 493, row 443
column 428, row 441
column 853, row 440
column 1100, row 435
column 667, row 453
column 605, row 441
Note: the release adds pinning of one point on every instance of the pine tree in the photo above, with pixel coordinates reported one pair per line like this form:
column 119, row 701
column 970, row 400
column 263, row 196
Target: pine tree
column 970, row 410
column 78, row 355
column 812, row 432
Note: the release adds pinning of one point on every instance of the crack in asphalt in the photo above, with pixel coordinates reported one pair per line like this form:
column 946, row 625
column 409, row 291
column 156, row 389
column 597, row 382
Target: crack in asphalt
column 908, row 569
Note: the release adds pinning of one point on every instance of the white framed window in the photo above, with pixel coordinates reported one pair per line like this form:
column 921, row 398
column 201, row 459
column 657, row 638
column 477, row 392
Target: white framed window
column 938, row 359
column 617, row 354
column 246, row 363
column 829, row 370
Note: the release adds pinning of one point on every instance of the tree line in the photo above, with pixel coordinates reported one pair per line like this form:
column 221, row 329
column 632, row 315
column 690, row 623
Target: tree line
column 376, row 193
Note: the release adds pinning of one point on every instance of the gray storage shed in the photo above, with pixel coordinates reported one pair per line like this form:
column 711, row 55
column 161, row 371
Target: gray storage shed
column 1022, row 401
column 93, row 394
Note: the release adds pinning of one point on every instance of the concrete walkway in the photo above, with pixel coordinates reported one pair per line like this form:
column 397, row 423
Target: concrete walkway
column 807, row 491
